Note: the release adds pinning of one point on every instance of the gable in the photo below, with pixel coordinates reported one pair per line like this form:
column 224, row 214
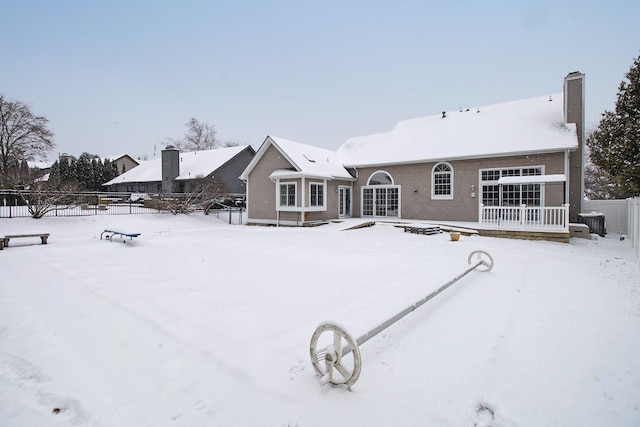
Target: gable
column 305, row 159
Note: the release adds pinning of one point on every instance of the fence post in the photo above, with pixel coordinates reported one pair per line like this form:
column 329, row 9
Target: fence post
column 635, row 213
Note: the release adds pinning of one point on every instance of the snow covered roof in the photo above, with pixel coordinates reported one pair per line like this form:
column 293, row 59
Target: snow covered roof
column 119, row 156
column 307, row 160
column 39, row 164
column 193, row 165
column 529, row 126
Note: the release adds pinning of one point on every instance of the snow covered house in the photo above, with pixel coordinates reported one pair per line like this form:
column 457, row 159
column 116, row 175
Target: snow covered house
column 124, row 162
column 516, row 162
column 177, row 172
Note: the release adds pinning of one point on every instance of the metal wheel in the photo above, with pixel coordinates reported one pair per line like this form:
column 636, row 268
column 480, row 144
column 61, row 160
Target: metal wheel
column 482, row 257
column 337, row 360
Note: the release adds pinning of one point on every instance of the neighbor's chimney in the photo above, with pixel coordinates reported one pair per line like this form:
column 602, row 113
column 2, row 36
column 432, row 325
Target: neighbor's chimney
column 573, row 95
column 170, row 168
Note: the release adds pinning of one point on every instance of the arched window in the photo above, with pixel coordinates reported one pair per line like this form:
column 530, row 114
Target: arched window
column 442, row 181
column 380, row 178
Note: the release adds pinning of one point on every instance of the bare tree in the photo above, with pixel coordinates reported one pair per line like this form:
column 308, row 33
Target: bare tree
column 23, row 135
column 41, row 201
column 199, row 136
column 230, row 143
column 203, row 195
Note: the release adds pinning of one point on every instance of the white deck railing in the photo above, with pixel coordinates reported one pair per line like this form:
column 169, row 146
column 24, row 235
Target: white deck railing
column 526, row 218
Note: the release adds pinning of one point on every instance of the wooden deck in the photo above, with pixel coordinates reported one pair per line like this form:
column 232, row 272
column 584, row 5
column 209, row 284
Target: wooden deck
column 551, row 236
column 469, row 229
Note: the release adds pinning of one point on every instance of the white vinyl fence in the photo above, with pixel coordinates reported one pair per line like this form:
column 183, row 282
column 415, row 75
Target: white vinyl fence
column 633, row 221
column 615, row 214
column 621, row 217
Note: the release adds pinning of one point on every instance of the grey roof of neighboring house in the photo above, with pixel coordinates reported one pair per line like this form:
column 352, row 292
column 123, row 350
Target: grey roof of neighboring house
column 193, row 165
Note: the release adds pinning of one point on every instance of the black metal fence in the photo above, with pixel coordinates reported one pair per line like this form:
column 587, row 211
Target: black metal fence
column 19, row 204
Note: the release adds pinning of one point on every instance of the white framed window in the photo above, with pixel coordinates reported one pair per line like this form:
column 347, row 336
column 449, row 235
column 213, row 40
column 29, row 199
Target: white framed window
column 512, row 194
column 442, row 181
column 316, row 194
column 288, row 194
column 381, row 198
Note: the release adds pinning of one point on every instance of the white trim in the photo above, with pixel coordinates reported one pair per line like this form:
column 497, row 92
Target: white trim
column 567, row 168
column 433, row 182
column 380, row 171
column 323, row 206
column 279, row 206
column 375, row 187
column 303, row 196
column 531, row 179
column 350, row 213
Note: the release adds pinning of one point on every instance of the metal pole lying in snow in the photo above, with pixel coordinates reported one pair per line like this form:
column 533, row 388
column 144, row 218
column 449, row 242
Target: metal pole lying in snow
column 332, row 354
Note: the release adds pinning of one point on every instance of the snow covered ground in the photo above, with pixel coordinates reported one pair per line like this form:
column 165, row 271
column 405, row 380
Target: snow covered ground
column 201, row 323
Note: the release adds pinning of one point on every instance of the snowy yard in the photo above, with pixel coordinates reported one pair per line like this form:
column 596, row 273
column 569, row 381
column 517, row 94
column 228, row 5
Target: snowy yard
column 201, row 323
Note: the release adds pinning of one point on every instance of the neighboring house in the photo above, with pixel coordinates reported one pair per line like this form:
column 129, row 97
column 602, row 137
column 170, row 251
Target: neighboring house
column 467, row 165
column 66, row 157
column 124, row 162
column 177, row 172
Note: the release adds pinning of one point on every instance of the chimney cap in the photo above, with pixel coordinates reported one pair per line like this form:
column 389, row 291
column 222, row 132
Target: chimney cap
column 171, row 147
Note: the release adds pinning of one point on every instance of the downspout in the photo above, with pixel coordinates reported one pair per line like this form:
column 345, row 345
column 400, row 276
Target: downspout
column 277, row 182
column 353, row 193
column 303, row 200
column 567, row 171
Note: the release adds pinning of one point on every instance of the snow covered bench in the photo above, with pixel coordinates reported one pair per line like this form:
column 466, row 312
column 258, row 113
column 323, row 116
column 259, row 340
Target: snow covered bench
column 110, row 233
column 5, row 240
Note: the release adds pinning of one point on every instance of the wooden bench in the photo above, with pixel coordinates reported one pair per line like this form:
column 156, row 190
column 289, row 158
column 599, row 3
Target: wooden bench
column 5, row 240
column 108, row 235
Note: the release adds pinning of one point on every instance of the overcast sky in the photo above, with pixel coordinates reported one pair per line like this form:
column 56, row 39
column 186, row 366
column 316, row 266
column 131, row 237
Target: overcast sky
column 119, row 77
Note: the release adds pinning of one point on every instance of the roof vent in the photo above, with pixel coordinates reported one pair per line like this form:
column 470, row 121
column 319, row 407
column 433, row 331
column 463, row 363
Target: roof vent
column 444, row 114
column 478, row 110
column 550, row 98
